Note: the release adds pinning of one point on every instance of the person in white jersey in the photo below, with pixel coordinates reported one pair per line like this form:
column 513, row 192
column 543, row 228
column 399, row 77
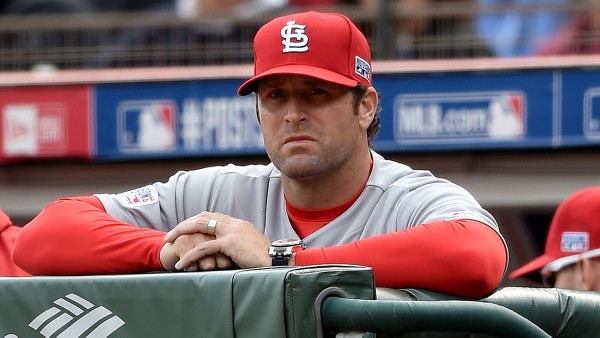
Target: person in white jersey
column 325, row 198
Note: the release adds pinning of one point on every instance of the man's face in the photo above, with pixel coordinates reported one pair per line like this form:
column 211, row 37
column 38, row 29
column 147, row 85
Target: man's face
column 310, row 127
column 582, row 275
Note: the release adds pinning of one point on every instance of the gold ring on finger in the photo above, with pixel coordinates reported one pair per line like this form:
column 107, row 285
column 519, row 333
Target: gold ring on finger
column 212, row 224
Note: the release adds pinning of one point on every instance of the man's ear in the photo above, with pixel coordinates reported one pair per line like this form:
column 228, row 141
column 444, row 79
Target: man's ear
column 590, row 273
column 368, row 107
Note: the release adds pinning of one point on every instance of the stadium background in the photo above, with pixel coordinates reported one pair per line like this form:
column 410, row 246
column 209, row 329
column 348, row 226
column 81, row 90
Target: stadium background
column 72, row 68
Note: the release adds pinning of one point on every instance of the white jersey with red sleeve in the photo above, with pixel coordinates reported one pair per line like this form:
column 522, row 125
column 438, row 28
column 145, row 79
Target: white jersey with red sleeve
column 396, row 197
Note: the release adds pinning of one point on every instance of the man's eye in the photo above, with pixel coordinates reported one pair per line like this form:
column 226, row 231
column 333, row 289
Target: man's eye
column 276, row 94
column 317, row 91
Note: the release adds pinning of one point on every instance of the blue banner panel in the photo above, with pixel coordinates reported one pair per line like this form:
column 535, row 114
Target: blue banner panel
column 175, row 119
column 466, row 110
column 580, row 119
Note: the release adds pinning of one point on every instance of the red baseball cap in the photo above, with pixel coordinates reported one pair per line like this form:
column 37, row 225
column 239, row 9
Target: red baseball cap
column 574, row 231
column 325, row 46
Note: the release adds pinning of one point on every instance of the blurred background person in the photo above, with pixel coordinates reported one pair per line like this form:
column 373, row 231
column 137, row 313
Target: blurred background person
column 571, row 257
column 517, row 27
column 579, row 35
column 435, row 29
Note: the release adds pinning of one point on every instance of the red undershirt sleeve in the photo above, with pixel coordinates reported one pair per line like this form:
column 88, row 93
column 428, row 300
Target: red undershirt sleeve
column 75, row 236
column 461, row 257
column 8, row 233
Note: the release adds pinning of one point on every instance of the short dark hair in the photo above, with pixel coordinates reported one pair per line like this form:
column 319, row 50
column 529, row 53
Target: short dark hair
column 373, row 130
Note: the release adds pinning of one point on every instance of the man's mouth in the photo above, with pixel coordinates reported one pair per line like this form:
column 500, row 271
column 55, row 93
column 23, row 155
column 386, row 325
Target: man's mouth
column 298, row 139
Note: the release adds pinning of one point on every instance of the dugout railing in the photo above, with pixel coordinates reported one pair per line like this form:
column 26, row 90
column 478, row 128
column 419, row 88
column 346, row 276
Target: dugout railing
column 311, row 301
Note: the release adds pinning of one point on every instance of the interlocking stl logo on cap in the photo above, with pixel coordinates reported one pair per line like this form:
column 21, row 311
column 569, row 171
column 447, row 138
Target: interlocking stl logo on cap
column 325, row 46
column 294, row 39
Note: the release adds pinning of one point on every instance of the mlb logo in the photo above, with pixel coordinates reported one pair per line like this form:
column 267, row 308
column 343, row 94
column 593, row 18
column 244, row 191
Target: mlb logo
column 34, row 129
column 147, row 125
column 507, row 116
column 462, row 116
column 575, row 241
column 362, row 68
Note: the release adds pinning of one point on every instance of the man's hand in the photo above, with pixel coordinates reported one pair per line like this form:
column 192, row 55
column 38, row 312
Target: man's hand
column 236, row 239
column 172, row 251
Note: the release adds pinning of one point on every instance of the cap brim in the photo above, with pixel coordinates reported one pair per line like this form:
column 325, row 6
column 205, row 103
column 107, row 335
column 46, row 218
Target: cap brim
column 303, row 70
column 535, row 265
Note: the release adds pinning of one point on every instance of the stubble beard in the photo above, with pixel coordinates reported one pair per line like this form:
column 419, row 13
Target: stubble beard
column 302, row 166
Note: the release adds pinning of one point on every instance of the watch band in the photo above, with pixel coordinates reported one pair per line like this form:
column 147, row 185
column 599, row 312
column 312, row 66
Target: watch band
column 281, row 250
column 281, row 256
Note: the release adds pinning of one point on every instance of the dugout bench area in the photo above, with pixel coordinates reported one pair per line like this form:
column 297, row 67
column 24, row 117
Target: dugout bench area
column 294, row 302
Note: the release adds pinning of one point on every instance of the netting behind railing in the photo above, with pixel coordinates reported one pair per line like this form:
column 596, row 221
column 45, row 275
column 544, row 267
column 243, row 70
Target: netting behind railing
column 403, row 29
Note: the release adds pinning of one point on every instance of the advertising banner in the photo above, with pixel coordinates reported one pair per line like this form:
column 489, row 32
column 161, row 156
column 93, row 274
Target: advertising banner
column 580, row 119
column 435, row 111
column 466, row 110
column 169, row 119
column 45, row 122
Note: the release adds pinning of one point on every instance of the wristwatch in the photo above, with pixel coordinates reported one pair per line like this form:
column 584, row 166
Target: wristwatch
column 281, row 250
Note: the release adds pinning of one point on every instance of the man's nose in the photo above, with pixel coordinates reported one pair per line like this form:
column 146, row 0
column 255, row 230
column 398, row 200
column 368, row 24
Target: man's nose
column 295, row 111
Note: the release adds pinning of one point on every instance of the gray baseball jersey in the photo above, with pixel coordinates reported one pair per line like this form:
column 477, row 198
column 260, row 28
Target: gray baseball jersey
column 396, row 197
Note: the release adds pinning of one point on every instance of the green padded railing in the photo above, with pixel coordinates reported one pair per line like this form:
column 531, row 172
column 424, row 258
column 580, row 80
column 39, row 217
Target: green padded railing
column 561, row 313
column 290, row 302
column 399, row 317
column 245, row 303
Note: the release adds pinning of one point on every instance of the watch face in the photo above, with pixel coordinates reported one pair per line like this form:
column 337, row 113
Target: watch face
column 287, row 242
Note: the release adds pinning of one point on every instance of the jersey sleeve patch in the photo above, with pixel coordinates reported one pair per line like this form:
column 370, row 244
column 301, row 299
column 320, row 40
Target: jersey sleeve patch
column 139, row 197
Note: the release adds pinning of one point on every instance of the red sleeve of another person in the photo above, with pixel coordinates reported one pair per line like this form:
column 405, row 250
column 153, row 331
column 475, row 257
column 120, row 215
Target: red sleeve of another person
column 75, row 236
column 8, row 233
column 461, row 257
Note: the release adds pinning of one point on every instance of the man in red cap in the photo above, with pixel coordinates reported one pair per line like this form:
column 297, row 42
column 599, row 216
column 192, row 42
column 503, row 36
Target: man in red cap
column 325, row 198
column 571, row 255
